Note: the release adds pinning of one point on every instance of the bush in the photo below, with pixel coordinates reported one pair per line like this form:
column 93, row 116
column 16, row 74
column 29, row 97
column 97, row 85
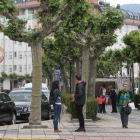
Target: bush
column 136, row 100
column 92, row 106
column 6, row 91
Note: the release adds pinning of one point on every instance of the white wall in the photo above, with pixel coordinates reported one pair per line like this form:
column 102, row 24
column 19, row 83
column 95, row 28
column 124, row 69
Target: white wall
column 6, row 84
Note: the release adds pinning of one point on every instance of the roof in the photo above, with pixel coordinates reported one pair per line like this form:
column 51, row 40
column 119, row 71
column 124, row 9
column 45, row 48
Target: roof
column 129, row 14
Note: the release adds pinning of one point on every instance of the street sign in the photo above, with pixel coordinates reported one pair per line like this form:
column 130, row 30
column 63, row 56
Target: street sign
column 2, row 53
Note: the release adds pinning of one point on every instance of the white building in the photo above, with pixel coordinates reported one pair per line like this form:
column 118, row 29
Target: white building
column 18, row 57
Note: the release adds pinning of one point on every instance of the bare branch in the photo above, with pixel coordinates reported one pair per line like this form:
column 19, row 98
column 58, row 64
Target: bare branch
column 74, row 43
column 61, row 14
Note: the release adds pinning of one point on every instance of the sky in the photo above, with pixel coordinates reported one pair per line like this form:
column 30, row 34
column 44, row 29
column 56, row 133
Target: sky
column 115, row 2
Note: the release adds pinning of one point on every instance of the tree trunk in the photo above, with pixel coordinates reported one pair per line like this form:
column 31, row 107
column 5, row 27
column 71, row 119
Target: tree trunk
column 92, row 77
column 65, row 79
column 127, row 67
column 78, row 66
column 132, row 78
column 85, row 73
column 35, row 115
column 120, row 67
column 72, row 77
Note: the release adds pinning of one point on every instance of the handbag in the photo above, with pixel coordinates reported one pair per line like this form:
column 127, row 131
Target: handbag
column 128, row 109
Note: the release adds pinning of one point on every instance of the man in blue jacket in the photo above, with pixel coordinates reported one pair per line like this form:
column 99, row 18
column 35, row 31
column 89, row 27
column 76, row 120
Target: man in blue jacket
column 79, row 102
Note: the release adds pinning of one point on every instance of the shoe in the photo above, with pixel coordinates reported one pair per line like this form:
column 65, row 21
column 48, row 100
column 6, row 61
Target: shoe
column 80, row 130
column 105, row 112
column 125, row 126
column 112, row 112
column 58, row 131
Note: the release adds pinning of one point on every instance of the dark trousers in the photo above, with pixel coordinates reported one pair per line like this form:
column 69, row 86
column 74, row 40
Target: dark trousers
column 124, row 117
column 57, row 111
column 80, row 115
column 103, row 107
column 114, row 105
column 100, row 108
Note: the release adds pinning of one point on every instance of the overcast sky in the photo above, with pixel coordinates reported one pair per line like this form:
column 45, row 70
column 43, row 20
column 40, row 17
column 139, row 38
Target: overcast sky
column 115, row 2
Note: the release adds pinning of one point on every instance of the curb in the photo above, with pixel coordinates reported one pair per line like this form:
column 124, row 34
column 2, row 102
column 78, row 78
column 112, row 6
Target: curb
column 30, row 139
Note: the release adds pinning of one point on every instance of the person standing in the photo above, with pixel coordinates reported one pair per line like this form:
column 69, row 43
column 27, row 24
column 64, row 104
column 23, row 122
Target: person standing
column 103, row 92
column 124, row 97
column 1, row 89
column 100, row 104
column 57, row 96
column 113, row 96
column 79, row 102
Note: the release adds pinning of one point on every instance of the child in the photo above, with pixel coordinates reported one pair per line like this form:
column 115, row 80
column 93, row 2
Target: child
column 100, row 104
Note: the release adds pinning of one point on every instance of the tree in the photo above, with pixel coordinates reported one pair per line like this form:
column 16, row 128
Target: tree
column 51, row 16
column 132, row 50
column 106, row 65
column 60, row 51
column 3, row 77
column 96, row 34
column 12, row 76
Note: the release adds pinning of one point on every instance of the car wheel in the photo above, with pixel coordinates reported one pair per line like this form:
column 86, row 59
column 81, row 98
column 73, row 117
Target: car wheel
column 49, row 117
column 13, row 119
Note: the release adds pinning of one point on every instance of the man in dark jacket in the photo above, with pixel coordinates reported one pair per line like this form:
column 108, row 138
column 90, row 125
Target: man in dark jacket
column 80, row 101
column 113, row 96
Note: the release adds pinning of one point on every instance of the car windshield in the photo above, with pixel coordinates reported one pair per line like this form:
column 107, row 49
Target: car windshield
column 47, row 94
column 26, row 88
column 19, row 96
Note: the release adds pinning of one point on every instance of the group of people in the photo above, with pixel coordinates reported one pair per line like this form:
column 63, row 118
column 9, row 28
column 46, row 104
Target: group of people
column 103, row 97
column 118, row 102
column 124, row 97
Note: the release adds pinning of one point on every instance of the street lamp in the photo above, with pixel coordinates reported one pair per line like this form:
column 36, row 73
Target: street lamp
column 70, row 74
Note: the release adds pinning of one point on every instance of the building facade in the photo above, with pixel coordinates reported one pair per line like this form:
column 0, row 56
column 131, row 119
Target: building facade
column 18, row 56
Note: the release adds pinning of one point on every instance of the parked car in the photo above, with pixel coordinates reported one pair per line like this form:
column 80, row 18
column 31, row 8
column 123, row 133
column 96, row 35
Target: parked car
column 7, row 109
column 28, row 86
column 47, row 94
column 22, row 100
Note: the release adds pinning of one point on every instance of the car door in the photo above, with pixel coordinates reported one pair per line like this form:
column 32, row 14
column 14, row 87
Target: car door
column 44, row 105
column 2, row 110
column 7, row 106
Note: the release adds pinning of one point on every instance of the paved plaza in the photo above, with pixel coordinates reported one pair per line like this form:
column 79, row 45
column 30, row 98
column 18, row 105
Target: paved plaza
column 107, row 128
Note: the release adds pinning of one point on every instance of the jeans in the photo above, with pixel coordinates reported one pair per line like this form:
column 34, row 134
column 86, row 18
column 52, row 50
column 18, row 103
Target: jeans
column 80, row 115
column 103, row 108
column 100, row 108
column 57, row 111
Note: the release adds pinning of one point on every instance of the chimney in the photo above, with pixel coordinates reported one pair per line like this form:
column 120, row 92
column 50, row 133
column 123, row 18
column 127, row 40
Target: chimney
column 118, row 6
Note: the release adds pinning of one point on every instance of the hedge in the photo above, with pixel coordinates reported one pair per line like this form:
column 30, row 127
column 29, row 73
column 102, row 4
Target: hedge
column 136, row 100
column 6, row 91
column 92, row 106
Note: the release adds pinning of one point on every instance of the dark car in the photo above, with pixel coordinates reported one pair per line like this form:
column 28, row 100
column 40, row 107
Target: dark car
column 47, row 94
column 7, row 109
column 22, row 100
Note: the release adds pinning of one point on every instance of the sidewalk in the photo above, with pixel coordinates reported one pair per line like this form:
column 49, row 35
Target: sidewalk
column 107, row 128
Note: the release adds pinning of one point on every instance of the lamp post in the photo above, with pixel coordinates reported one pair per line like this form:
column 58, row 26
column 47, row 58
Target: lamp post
column 70, row 74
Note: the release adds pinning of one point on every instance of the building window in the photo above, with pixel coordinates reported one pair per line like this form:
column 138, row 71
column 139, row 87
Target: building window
column 15, row 54
column 20, row 68
column 5, row 55
column 25, row 54
column 20, row 43
column 29, row 53
column 1, row 67
column 29, row 67
column 5, row 68
column 10, row 68
column 25, row 67
column 10, row 55
column 15, row 67
column 20, row 55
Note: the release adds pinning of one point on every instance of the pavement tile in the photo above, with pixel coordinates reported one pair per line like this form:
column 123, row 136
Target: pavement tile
column 126, row 138
column 82, row 138
column 97, row 138
column 67, row 137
